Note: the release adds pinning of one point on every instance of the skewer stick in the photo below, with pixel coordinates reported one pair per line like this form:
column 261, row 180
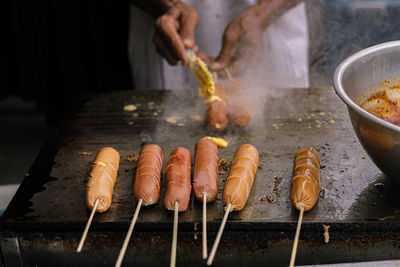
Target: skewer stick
column 89, row 222
column 204, row 226
column 215, row 76
column 174, row 235
column 296, row 238
column 219, row 234
column 228, row 73
column 128, row 235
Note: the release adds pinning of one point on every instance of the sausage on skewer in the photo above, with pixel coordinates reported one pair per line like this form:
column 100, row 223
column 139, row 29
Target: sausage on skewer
column 146, row 189
column 305, row 187
column 205, row 180
column 102, row 179
column 241, row 177
column 177, row 177
column 148, row 172
column 237, row 187
column 306, row 179
column 100, row 185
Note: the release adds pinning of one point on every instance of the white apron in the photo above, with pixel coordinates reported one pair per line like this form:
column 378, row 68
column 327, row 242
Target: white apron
column 285, row 45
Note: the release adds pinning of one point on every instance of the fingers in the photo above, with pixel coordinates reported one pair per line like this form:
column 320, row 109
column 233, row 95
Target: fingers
column 175, row 33
column 195, row 49
column 205, row 57
column 163, row 50
column 189, row 22
column 167, row 29
column 229, row 46
column 246, row 55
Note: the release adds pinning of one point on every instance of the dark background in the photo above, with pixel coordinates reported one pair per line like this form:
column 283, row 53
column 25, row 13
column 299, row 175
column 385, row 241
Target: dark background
column 54, row 55
column 58, row 53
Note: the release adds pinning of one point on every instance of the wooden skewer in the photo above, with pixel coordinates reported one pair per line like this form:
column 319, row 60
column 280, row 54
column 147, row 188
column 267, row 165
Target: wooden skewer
column 128, row 235
column 204, row 225
column 296, row 238
column 89, row 222
column 219, row 234
column 174, row 235
column 228, row 73
column 215, row 76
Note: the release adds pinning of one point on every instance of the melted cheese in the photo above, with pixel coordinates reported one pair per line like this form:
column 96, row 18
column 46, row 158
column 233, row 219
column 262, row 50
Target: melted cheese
column 203, row 77
column 130, row 108
column 197, row 117
column 171, row 120
column 219, row 141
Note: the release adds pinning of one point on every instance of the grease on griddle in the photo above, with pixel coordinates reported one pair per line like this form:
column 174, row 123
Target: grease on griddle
column 275, row 189
column 132, row 157
column 223, row 166
column 277, row 185
column 269, row 198
column 85, row 153
column 322, row 193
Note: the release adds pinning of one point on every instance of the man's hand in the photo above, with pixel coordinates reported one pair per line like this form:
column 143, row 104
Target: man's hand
column 243, row 37
column 241, row 42
column 175, row 32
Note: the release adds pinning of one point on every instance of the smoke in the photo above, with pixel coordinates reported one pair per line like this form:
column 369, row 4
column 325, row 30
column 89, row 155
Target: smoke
column 336, row 29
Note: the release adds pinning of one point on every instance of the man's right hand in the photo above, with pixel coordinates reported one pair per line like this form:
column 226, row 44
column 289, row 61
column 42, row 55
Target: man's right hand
column 175, row 32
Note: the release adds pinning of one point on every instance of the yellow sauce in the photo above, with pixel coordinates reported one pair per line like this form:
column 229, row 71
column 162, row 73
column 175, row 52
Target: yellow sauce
column 130, row 108
column 221, row 142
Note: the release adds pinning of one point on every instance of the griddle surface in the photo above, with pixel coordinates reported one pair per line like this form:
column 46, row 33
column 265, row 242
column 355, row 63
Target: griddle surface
column 298, row 117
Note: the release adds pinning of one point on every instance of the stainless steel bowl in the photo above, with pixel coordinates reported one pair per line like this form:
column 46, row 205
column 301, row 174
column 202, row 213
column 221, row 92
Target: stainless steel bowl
column 380, row 139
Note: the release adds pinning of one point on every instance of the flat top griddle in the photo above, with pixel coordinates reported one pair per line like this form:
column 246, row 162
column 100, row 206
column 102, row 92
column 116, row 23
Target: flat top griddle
column 353, row 189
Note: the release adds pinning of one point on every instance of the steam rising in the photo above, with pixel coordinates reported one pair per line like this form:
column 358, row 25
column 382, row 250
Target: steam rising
column 336, row 30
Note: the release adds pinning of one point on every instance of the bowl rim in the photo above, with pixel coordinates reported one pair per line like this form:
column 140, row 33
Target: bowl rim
column 338, row 85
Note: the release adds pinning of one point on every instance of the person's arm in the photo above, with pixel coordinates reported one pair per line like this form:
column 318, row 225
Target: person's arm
column 175, row 26
column 247, row 29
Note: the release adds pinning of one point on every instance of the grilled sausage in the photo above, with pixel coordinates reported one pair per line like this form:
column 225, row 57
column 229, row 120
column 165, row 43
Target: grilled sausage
column 205, row 178
column 241, row 177
column 238, row 108
column 102, row 179
column 148, row 171
column 177, row 178
column 217, row 114
column 306, row 179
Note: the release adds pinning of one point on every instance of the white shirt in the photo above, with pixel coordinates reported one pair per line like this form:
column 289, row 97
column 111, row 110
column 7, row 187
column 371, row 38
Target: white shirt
column 285, row 46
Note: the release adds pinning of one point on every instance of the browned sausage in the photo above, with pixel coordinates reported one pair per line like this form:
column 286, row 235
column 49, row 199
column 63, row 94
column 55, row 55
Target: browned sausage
column 306, row 179
column 102, row 179
column 177, row 178
column 238, row 107
column 148, row 171
column 217, row 114
column 241, row 177
column 205, row 178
